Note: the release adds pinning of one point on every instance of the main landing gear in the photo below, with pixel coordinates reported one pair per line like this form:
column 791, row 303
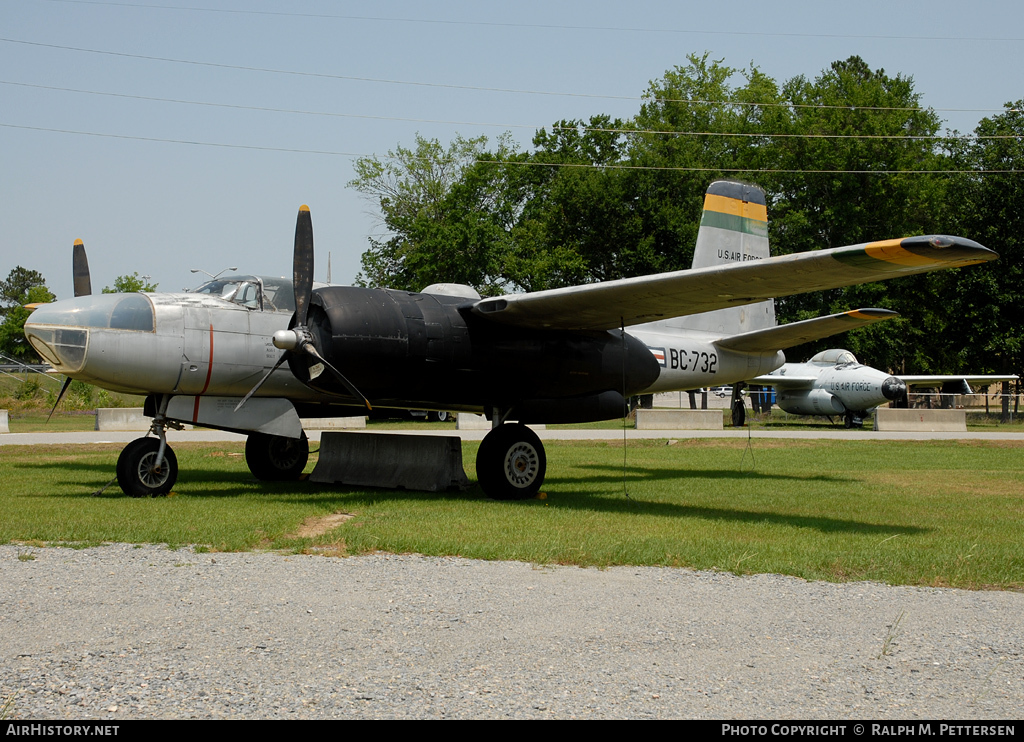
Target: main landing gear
column 511, row 462
column 274, row 458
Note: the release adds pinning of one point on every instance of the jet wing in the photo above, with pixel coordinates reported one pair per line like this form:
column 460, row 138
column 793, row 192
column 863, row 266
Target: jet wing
column 982, row 379
column 795, row 333
column 784, row 382
column 632, row 301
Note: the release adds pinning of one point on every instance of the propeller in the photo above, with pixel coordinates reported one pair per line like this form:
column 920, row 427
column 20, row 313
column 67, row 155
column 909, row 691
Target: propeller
column 67, row 383
column 83, row 287
column 80, row 270
column 298, row 340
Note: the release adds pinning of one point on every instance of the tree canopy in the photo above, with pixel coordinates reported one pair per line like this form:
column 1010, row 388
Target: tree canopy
column 130, row 284
column 21, row 287
column 850, row 155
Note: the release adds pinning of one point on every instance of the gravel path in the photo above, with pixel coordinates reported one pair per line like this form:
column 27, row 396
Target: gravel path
column 121, row 632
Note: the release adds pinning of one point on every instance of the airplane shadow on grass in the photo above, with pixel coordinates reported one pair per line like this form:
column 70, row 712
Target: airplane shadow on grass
column 228, row 484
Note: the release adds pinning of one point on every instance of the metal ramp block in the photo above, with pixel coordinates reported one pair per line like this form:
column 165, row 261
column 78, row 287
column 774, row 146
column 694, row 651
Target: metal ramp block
column 427, row 463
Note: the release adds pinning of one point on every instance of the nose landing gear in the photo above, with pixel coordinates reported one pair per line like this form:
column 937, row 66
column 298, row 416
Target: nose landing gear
column 147, row 467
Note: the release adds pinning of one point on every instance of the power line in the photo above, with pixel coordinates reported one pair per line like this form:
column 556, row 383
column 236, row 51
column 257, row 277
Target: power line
column 540, row 26
column 480, row 88
column 510, row 163
column 553, row 127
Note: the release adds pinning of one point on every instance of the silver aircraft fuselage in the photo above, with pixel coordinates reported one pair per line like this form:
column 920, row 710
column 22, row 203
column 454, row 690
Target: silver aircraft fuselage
column 187, row 343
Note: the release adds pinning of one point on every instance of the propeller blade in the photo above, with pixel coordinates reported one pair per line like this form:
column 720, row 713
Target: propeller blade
column 341, row 377
column 80, row 270
column 302, row 265
column 67, row 383
column 282, row 359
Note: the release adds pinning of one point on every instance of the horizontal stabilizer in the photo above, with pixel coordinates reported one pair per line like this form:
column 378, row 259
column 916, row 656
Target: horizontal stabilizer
column 633, row 301
column 795, row 333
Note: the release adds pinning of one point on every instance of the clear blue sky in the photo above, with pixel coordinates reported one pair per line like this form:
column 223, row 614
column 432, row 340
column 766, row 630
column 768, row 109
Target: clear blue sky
column 142, row 200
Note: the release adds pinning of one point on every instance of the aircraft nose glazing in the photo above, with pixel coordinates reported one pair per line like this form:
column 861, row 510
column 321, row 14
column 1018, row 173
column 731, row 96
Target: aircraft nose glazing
column 893, row 388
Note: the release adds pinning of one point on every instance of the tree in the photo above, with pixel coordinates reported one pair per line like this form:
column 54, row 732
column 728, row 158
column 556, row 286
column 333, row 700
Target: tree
column 859, row 131
column 14, row 289
column 984, row 305
column 12, row 331
column 432, row 214
column 130, row 284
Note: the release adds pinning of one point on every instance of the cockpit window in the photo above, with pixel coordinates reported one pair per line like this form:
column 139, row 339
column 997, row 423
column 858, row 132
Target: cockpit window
column 133, row 312
column 113, row 311
column 834, row 357
column 278, row 295
column 245, row 291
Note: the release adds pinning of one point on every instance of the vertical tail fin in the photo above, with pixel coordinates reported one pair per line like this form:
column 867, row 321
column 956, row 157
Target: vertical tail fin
column 733, row 228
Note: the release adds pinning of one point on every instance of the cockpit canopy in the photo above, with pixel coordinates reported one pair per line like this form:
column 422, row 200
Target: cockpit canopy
column 253, row 292
column 834, row 357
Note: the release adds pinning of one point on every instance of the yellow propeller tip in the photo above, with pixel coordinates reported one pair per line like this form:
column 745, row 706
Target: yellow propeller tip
column 79, row 242
column 303, row 208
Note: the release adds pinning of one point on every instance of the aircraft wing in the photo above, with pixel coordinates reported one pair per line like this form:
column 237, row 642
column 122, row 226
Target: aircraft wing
column 795, row 333
column 784, row 382
column 632, row 301
column 983, row 379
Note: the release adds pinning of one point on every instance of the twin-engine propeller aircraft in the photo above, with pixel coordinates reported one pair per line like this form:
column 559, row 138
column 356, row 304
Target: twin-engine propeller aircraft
column 834, row 383
column 213, row 357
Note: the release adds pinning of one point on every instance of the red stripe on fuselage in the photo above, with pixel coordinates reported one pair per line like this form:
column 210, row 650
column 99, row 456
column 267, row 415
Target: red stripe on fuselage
column 209, row 373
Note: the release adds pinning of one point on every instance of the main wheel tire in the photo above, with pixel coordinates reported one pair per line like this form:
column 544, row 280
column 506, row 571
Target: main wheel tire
column 441, row 416
column 137, row 473
column 274, row 458
column 739, row 413
column 511, row 463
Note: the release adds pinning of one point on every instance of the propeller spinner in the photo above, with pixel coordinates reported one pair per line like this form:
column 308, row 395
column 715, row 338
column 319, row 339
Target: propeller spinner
column 298, row 340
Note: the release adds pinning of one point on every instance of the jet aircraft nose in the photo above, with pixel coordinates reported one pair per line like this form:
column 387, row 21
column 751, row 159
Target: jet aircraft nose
column 893, row 388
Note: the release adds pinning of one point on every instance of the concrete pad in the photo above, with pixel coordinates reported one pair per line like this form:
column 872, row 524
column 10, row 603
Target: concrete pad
column 333, row 423
column 122, row 418
column 933, row 421
column 679, row 420
column 4, row 424
column 681, row 400
column 413, row 462
column 469, row 421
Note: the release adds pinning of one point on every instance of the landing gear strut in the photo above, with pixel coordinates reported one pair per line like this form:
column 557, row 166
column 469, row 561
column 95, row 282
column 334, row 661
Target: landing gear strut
column 147, row 467
column 739, row 412
column 511, row 463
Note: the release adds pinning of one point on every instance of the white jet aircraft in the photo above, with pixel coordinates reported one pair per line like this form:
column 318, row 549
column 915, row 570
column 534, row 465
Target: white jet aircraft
column 213, row 357
column 834, row 383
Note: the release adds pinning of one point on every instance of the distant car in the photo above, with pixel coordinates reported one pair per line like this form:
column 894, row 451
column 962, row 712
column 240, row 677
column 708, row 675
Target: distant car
column 721, row 391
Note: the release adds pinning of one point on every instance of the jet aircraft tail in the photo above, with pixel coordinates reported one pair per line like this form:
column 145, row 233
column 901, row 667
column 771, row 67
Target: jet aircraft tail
column 733, row 229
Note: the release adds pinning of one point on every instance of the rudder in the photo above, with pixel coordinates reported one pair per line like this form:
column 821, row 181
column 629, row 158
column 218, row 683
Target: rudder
column 733, row 228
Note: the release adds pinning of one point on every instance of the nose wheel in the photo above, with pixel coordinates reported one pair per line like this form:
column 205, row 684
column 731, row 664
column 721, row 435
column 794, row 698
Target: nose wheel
column 511, row 463
column 143, row 472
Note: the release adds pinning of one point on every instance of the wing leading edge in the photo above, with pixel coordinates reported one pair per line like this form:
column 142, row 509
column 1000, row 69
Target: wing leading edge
column 632, row 301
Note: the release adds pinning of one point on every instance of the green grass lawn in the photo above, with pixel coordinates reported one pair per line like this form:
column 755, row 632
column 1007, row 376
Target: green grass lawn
column 943, row 513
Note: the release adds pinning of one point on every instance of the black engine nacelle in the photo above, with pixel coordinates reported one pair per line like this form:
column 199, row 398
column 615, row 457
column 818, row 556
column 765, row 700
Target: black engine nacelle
column 428, row 350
